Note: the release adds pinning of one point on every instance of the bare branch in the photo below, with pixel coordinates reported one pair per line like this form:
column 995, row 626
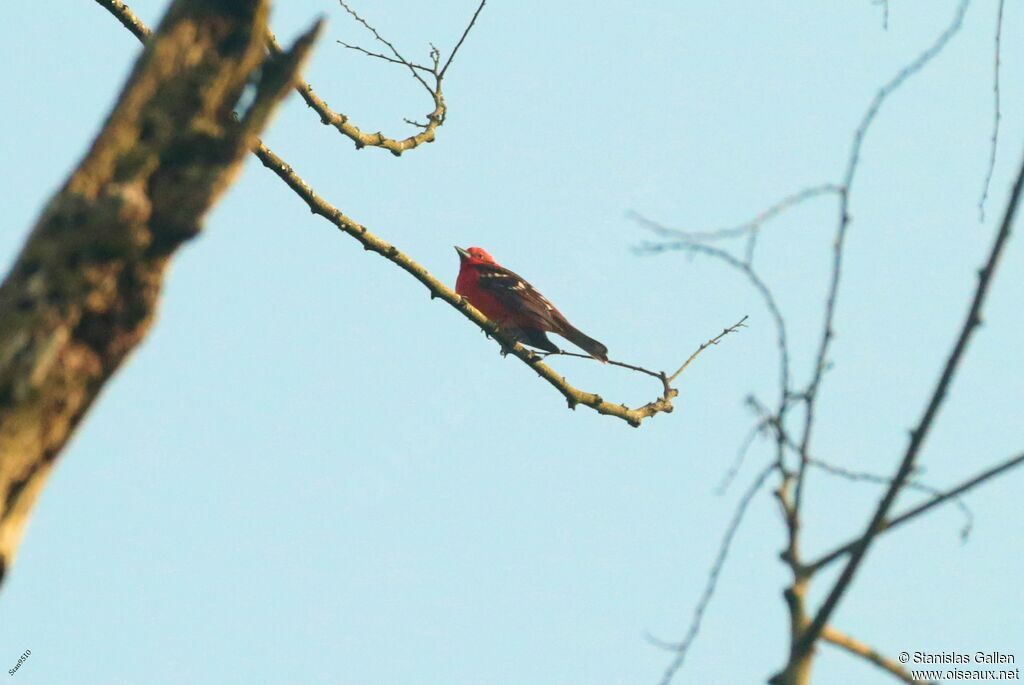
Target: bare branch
column 828, row 332
column 435, row 118
column 768, row 419
column 660, row 375
column 917, row 436
column 437, row 289
column 380, row 39
column 741, row 455
column 997, row 114
column 858, row 648
column 455, row 50
column 714, row 341
column 751, row 275
column 864, row 477
column 746, row 228
column 668, row 392
column 378, row 55
column 885, row 13
column 371, row 242
column 683, row 647
column 805, row 631
column 343, row 125
column 328, row 117
column 914, row 512
column 127, row 18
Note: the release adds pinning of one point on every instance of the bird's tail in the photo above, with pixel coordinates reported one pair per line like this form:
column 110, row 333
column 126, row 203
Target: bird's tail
column 585, row 342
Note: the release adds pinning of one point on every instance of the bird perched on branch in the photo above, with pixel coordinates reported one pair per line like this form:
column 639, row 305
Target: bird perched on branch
column 510, row 301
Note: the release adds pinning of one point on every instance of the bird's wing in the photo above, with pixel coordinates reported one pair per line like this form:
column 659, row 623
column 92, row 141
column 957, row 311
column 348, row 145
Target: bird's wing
column 517, row 295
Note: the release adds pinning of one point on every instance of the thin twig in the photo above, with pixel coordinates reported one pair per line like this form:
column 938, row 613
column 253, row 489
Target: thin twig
column 747, row 228
column 997, row 115
column 341, row 122
column 666, row 381
column 683, row 647
column 828, row 332
column 885, row 14
column 864, row 477
column 861, row 476
column 378, row 55
column 918, row 434
column 741, row 455
column 751, row 275
column 695, row 243
column 714, row 341
column 918, row 510
column 660, row 375
column 440, row 74
column 389, row 44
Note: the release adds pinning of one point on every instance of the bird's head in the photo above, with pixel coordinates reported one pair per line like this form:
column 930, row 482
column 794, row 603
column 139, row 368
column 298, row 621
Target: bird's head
column 477, row 255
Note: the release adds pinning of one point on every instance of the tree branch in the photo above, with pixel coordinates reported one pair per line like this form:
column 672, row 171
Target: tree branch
column 914, row 512
column 462, row 39
column 917, row 435
column 341, row 122
column 380, row 39
column 666, row 380
column 573, row 396
column 370, row 242
column 127, row 18
column 858, row 648
column 741, row 455
column 749, row 273
column 682, row 648
column 435, row 118
column 747, row 228
column 997, row 114
column 328, row 117
column 864, row 477
column 767, row 419
column 853, row 162
column 83, row 290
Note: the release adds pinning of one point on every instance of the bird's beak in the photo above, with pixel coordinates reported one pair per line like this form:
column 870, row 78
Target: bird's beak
column 462, row 253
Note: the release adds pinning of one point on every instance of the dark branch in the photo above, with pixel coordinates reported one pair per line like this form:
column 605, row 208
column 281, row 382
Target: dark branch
column 683, row 647
column 751, row 275
column 378, row 55
column 741, row 455
column 922, row 508
column 997, row 114
column 462, row 38
column 864, row 477
column 668, row 392
column 917, row 436
column 828, row 332
column 380, row 39
column 747, row 228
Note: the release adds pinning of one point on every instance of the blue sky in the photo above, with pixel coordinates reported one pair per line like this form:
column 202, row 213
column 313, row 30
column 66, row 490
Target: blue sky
column 310, row 472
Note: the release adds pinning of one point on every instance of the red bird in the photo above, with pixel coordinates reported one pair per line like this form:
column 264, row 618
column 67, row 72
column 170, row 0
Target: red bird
column 507, row 299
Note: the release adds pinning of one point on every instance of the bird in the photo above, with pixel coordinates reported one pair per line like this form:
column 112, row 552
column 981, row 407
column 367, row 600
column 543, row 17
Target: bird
column 509, row 300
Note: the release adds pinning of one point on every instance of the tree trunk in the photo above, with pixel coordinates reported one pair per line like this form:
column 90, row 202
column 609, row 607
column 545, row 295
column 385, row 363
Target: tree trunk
column 83, row 292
